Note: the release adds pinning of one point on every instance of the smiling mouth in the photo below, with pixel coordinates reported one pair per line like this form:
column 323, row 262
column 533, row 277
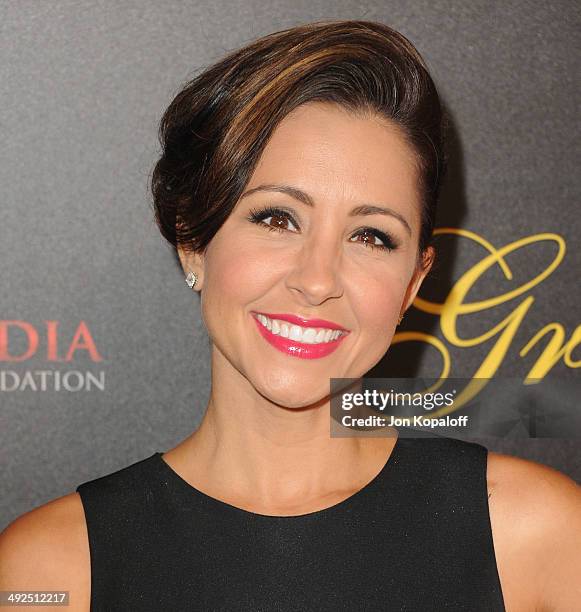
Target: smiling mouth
column 300, row 333
column 297, row 341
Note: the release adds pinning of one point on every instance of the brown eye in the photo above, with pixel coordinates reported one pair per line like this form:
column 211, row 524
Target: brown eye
column 369, row 238
column 370, row 235
column 280, row 218
column 277, row 219
column 280, row 222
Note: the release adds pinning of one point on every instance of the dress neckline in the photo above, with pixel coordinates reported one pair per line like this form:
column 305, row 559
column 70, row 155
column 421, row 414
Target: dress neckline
column 342, row 505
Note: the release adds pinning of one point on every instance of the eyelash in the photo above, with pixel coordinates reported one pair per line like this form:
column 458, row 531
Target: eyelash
column 257, row 216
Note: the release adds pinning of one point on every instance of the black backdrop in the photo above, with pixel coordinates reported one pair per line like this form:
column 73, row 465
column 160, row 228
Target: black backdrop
column 103, row 354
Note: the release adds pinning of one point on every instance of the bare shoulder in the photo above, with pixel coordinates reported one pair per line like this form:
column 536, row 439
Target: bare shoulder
column 535, row 513
column 47, row 548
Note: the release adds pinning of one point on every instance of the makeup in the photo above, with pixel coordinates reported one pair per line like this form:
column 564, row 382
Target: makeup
column 320, row 344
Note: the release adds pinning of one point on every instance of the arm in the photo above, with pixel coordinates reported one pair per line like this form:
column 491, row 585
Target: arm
column 561, row 532
column 47, row 549
column 536, row 515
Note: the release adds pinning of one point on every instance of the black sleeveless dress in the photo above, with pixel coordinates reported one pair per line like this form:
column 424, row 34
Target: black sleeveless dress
column 416, row 538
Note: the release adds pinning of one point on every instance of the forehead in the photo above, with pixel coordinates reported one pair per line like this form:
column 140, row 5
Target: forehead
column 328, row 151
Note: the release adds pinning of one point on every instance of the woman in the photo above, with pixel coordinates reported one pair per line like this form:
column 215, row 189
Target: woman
column 298, row 181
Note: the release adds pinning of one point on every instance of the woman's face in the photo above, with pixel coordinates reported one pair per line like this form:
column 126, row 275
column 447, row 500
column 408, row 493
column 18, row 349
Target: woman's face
column 323, row 261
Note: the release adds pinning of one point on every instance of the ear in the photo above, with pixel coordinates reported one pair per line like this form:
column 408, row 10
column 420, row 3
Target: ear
column 192, row 262
column 417, row 279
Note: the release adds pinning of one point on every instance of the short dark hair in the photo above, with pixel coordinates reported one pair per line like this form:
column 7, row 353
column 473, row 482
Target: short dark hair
column 215, row 129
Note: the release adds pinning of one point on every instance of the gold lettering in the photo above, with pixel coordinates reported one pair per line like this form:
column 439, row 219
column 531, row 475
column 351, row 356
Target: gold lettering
column 505, row 331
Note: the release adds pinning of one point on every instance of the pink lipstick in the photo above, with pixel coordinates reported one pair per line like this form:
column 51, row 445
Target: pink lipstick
column 296, row 348
column 302, row 321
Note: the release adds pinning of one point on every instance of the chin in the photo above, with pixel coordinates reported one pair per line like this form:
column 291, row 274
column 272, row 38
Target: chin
column 294, row 395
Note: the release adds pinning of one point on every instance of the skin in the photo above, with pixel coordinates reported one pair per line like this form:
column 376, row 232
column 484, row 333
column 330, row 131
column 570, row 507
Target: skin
column 275, row 447
column 264, row 442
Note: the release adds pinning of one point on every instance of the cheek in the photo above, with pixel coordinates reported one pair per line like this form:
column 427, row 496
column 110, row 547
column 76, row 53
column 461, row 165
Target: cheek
column 234, row 273
column 377, row 303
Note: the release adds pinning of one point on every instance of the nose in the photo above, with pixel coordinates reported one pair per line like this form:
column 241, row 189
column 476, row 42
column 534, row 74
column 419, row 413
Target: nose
column 316, row 272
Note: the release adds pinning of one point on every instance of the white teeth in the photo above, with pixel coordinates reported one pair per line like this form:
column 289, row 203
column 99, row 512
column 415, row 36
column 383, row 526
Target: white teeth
column 295, row 333
column 308, row 335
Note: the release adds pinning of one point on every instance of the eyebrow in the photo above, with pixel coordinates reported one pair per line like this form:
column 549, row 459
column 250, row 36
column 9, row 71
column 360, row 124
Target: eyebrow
column 305, row 198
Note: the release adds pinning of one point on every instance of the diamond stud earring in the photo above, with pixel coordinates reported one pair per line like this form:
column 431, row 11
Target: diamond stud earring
column 191, row 279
